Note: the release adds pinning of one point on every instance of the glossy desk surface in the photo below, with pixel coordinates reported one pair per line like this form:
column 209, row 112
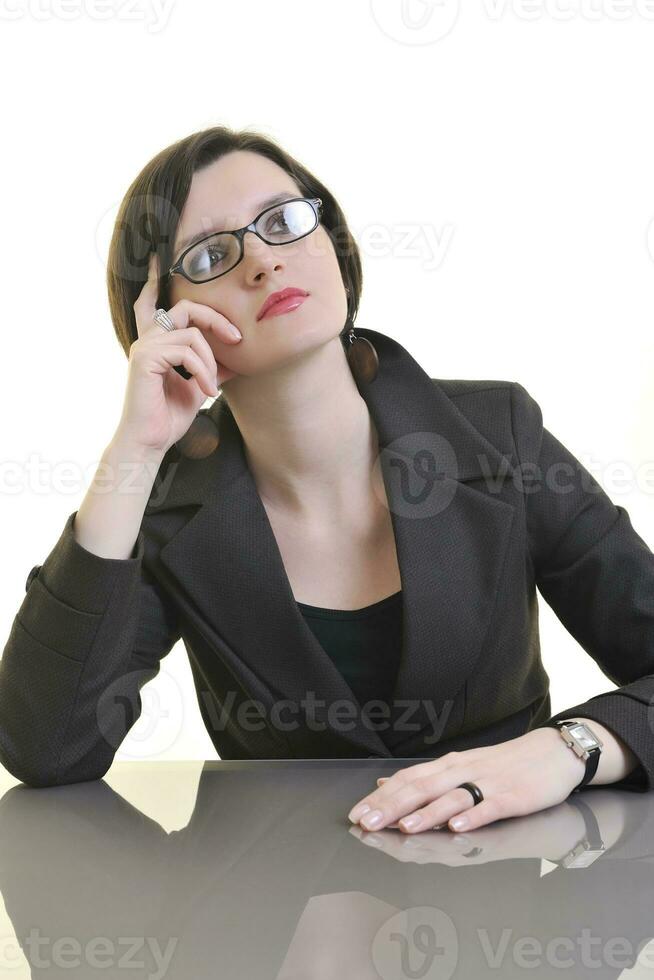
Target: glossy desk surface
column 248, row 870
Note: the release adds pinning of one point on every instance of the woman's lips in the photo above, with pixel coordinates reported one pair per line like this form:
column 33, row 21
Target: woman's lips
column 284, row 306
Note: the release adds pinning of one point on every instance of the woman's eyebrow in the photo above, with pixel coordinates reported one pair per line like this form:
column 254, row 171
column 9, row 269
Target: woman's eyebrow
column 275, row 199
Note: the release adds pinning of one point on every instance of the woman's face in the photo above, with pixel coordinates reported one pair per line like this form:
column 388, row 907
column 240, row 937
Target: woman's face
column 226, row 195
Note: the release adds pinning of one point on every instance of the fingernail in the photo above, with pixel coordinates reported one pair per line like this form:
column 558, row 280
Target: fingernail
column 410, row 822
column 357, row 812
column 235, row 332
column 372, row 820
column 459, row 823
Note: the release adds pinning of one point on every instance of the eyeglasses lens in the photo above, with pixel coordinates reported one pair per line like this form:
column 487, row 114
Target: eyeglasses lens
column 217, row 255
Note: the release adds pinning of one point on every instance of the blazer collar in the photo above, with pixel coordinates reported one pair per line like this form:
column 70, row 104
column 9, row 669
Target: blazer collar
column 226, row 564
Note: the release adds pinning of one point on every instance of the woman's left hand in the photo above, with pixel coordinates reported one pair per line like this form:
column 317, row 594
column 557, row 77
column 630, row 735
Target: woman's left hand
column 525, row 774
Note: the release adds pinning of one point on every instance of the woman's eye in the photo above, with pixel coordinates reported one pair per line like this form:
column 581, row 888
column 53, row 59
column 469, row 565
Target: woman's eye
column 208, row 257
column 277, row 216
column 215, row 254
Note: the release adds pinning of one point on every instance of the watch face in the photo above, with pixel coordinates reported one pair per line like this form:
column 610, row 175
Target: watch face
column 583, row 735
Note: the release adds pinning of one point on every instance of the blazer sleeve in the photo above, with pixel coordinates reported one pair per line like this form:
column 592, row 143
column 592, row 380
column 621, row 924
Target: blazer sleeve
column 597, row 574
column 89, row 633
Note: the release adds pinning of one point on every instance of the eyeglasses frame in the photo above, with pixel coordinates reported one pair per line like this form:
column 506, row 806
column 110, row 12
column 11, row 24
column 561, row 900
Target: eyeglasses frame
column 239, row 233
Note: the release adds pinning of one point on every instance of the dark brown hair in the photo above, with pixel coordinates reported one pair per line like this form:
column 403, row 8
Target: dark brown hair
column 149, row 214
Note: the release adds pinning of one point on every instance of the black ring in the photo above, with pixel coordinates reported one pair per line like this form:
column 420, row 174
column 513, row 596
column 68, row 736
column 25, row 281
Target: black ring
column 472, row 788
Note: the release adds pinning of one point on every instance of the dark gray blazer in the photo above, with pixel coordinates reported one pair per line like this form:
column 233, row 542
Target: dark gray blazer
column 486, row 507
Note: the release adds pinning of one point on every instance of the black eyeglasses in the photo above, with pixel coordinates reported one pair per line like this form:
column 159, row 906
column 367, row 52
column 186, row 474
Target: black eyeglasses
column 219, row 253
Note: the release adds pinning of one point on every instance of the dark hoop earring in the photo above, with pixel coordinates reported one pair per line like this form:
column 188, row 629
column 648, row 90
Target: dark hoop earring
column 362, row 357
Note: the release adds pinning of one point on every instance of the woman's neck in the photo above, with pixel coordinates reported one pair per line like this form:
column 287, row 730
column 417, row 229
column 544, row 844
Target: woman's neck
column 309, row 439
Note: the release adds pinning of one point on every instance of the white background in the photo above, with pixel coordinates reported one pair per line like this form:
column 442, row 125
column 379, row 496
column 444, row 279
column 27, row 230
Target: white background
column 495, row 163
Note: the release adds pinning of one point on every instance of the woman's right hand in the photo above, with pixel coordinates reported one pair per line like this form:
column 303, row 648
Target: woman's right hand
column 159, row 403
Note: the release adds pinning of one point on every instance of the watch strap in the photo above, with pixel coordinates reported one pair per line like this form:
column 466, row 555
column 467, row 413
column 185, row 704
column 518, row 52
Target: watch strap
column 592, row 761
column 593, row 835
column 589, row 847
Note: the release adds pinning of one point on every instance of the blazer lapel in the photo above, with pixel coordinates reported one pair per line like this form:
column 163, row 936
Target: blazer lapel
column 450, row 543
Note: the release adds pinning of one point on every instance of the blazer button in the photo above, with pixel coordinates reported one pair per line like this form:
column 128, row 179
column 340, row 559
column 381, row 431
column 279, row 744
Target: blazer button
column 32, row 575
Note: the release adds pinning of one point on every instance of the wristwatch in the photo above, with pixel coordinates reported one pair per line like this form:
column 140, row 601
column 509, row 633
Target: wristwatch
column 584, row 743
column 590, row 846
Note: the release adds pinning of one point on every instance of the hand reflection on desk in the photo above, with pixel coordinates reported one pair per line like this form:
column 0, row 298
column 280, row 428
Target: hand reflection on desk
column 547, row 834
column 268, row 868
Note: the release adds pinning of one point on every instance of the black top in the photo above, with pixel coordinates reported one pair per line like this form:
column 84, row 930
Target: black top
column 365, row 644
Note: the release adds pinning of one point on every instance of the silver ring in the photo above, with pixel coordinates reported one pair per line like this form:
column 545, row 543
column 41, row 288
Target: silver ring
column 163, row 319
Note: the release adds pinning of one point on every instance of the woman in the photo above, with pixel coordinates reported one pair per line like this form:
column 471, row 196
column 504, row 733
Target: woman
column 346, row 546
